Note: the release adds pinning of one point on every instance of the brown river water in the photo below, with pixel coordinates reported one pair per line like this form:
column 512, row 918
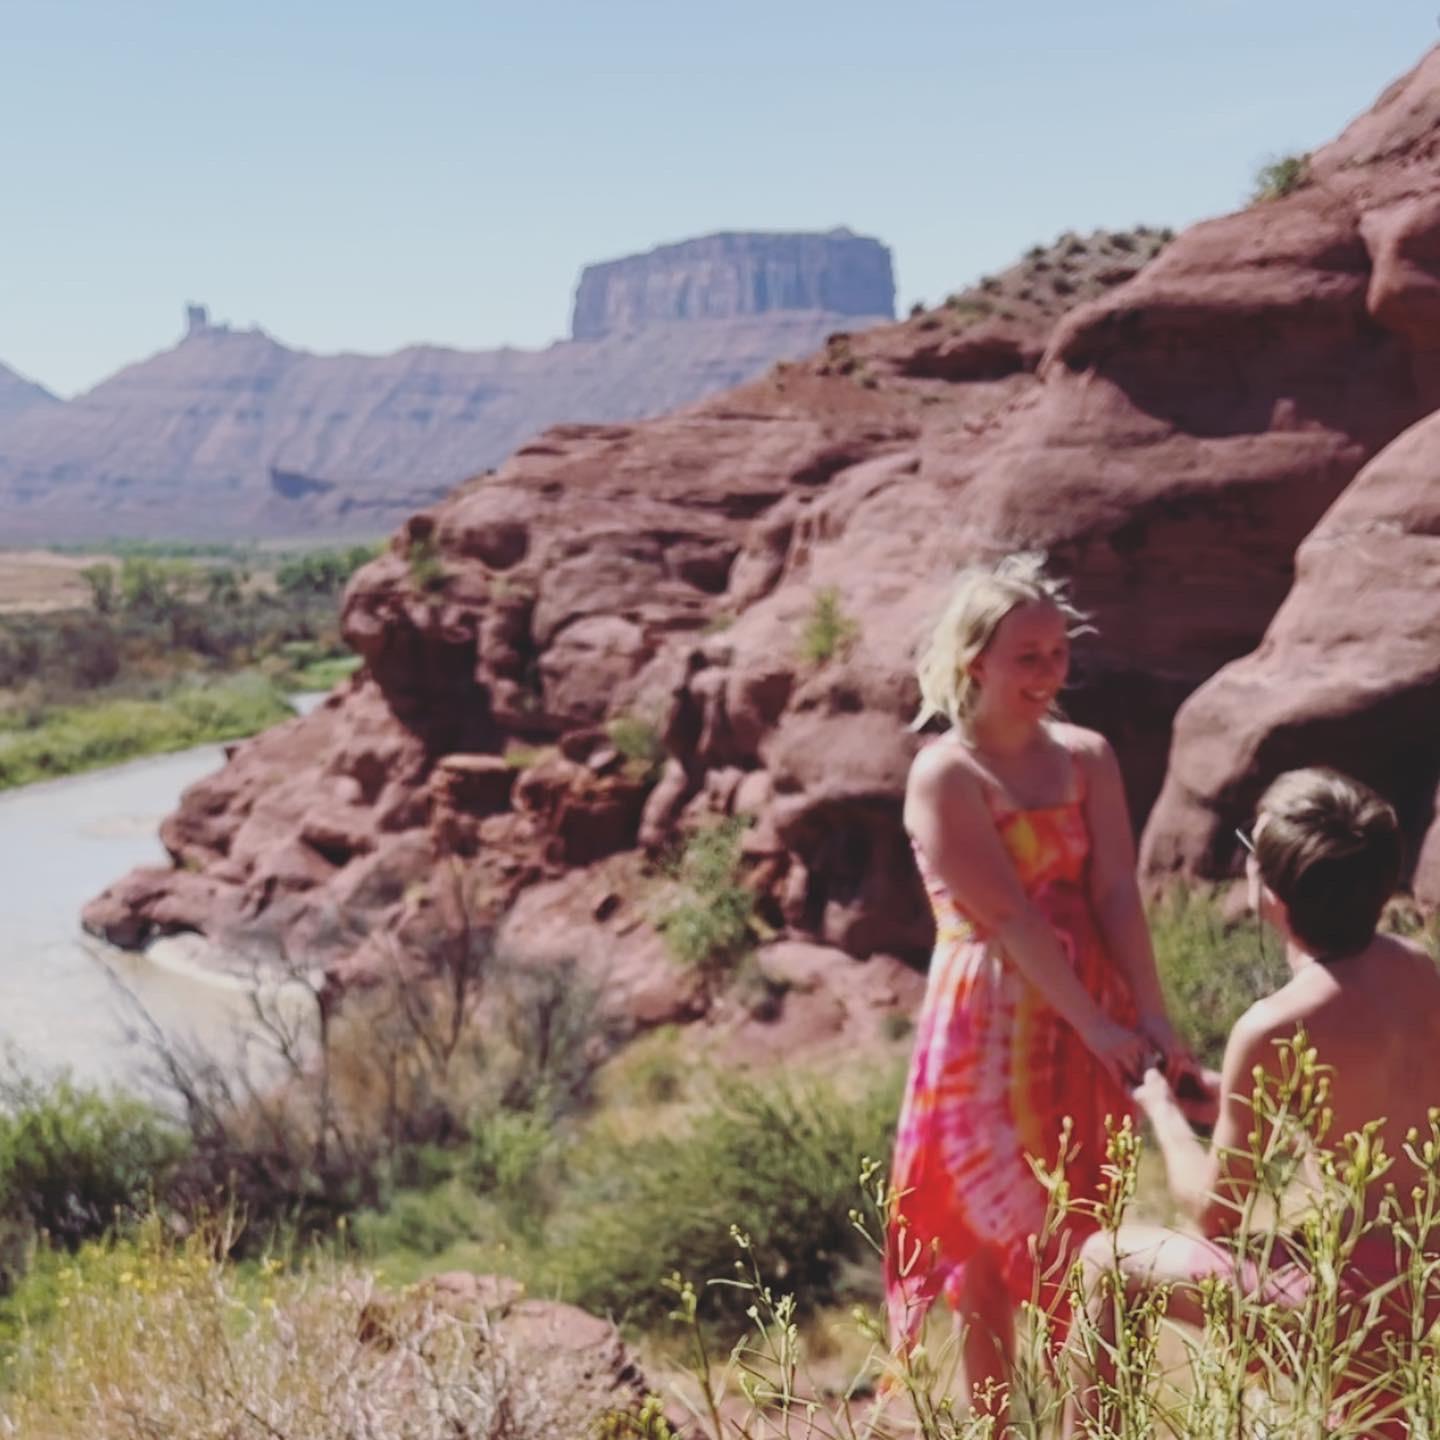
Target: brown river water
column 69, row 1001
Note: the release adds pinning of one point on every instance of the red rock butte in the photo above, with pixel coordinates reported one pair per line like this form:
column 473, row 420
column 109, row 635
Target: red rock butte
column 1228, row 442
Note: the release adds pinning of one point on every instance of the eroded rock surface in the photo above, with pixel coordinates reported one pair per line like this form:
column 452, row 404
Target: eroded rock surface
column 1348, row 673
column 746, row 582
column 547, row 1359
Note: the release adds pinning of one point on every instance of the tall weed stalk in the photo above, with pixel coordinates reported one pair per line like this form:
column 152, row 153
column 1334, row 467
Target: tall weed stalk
column 1338, row 1364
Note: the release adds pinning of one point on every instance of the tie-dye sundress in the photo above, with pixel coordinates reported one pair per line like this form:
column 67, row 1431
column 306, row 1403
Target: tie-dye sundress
column 994, row 1075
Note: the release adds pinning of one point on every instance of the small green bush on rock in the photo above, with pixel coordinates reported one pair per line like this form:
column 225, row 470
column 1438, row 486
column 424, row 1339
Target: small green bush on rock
column 1278, row 178
column 641, row 745
column 710, row 925
column 829, row 631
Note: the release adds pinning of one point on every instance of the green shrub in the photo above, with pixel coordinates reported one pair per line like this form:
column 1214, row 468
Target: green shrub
column 653, row 1069
column 322, row 572
column 640, row 743
column 710, row 925
column 75, row 738
column 525, row 757
column 420, row 1223
column 1279, row 178
column 427, row 570
column 75, row 1160
column 776, row 1161
column 1211, row 970
column 324, row 674
column 828, row 631
column 101, row 580
column 969, row 307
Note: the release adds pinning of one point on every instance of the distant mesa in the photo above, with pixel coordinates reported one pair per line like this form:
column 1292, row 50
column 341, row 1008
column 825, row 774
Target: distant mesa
column 720, row 277
column 231, row 435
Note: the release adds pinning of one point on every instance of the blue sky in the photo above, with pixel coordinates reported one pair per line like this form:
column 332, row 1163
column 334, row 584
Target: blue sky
column 362, row 176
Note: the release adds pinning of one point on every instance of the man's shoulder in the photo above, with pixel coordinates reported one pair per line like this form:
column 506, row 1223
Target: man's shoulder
column 1270, row 1022
column 1408, row 950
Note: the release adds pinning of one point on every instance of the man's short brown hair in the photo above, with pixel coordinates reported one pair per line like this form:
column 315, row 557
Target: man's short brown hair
column 1329, row 847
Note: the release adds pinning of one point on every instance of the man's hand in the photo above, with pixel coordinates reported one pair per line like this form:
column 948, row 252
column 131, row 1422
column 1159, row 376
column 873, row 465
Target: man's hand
column 1196, row 1097
column 1153, row 1093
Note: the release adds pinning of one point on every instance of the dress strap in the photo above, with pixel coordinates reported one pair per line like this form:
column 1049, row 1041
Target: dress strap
column 1073, row 793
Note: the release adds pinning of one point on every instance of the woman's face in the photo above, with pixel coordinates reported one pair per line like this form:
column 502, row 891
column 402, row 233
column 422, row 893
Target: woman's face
column 1024, row 666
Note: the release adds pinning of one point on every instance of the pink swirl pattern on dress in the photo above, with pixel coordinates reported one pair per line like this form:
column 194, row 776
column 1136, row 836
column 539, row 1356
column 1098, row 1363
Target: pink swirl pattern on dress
column 994, row 1076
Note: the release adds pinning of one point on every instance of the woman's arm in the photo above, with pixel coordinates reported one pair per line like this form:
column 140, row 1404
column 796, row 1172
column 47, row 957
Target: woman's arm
column 1115, row 897
column 946, row 812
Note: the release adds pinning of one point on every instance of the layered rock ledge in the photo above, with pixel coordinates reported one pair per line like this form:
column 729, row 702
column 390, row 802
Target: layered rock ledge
column 1171, row 426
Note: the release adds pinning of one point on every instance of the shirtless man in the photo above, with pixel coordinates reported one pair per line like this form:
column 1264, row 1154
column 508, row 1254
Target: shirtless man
column 1324, row 858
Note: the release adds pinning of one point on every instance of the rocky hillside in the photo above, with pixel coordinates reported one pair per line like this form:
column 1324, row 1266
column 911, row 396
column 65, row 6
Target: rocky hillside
column 18, row 393
column 231, row 434
column 746, row 581
column 725, row 276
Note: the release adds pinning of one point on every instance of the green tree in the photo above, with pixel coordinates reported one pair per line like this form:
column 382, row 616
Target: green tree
column 101, row 580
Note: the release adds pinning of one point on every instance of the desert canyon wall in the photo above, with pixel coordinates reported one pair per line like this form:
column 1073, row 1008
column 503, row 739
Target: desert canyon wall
column 1174, row 424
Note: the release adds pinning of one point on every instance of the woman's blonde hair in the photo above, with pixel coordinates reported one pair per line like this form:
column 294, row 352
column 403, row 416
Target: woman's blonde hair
column 984, row 595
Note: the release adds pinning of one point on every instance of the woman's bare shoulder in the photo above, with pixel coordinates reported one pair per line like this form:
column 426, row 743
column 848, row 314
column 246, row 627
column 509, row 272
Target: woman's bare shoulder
column 1088, row 747
column 944, row 765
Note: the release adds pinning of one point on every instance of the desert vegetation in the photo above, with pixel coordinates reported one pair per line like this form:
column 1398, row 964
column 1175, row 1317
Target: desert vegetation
column 172, row 651
column 494, row 1119
column 709, row 921
column 1281, row 177
column 828, row 631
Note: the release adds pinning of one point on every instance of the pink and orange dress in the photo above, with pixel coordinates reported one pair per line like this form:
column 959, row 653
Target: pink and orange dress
column 995, row 1074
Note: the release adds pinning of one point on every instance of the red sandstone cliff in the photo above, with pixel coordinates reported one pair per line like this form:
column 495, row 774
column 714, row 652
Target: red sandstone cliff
column 1171, row 441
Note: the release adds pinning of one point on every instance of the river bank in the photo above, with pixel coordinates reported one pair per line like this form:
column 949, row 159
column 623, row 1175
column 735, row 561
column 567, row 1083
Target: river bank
column 72, row 739
column 70, row 1000
column 142, row 653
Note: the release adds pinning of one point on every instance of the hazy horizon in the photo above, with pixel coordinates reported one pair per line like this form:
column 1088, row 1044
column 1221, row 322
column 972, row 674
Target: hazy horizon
column 353, row 179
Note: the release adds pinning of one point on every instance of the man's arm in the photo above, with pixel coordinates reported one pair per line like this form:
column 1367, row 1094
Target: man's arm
column 1210, row 1185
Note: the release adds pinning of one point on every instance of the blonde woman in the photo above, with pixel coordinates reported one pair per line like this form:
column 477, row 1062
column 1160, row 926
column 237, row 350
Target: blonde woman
column 1042, row 1004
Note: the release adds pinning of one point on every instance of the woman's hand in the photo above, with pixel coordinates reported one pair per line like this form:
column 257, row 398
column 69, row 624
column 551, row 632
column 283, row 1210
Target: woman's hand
column 1175, row 1053
column 1124, row 1053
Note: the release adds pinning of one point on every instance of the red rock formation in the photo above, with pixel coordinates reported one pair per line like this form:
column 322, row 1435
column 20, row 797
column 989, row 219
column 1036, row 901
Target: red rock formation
column 576, row 1368
column 1348, row 674
column 1171, row 442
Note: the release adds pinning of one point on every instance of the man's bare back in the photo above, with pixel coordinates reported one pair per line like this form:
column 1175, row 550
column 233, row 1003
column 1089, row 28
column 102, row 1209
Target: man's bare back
column 1374, row 1020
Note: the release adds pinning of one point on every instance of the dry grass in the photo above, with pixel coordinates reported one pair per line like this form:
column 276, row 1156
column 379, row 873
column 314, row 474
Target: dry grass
column 1338, row 1366
column 157, row 1338
column 38, row 580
